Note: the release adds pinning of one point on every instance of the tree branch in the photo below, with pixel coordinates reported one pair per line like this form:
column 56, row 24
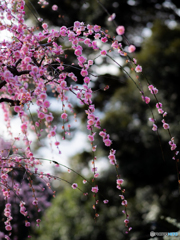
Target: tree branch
column 15, row 72
column 2, row 84
column 12, row 102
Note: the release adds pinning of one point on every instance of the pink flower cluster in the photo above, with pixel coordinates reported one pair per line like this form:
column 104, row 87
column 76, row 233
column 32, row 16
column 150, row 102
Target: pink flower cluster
column 172, row 144
column 146, row 99
column 112, row 157
column 27, row 75
column 106, row 139
column 7, row 213
column 152, row 89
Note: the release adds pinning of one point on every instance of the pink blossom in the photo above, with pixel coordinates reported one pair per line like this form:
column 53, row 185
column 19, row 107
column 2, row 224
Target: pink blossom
column 154, row 128
column 102, row 134
column 103, row 52
column 88, row 95
column 94, row 148
column 91, row 138
column 94, row 45
column 119, row 181
column 164, row 114
column 74, row 185
column 131, row 48
column 63, row 31
column 90, row 62
column 35, row 69
column 77, row 24
column 155, row 90
column 41, row 115
column 90, row 122
column 63, row 84
column 8, row 227
column 81, row 59
column 87, row 41
column 89, row 27
column 39, row 102
column 54, row 7
column 4, row 176
column 43, row 96
column 86, row 80
column 126, row 221
column 160, row 111
column 165, row 126
column 78, row 52
column 104, row 39
column 115, row 45
column 24, row 127
column 44, row 25
column 79, row 95
column 97, row 36
column 94, row 169
column 27, row 224
column 135, row 61
column 173, row 146
column 17, row 54
column 146, row 99
column 138, row 68
column 95, row 189
column 151, row 87
column 124, row 202
column 159, row 105
column 107, row 142
column 7, row 74
column 111, row 157
column 113, row 161
column 120, row 30
column 84, row 72
column 84, row 181
column 121, row 196
column 96, row 175
column 112, row 17
column 97, row 28
column 151, row 120
column 8, row 205
column 64, row 115
column 46, row 104
column 105, row 201
column 49, row 118
column 35, row 202
column 37, row 124
column 17, row 109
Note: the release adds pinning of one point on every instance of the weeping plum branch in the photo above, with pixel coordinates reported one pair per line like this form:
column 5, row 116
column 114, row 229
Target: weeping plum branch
column 26, row 71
